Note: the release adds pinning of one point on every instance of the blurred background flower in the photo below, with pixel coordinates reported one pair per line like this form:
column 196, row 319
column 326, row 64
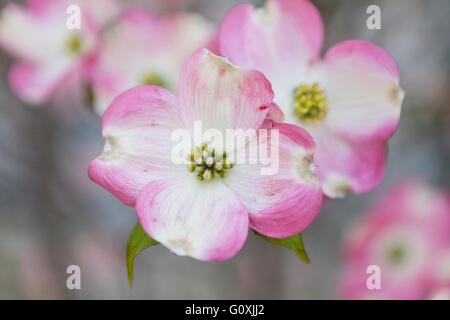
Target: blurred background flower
column 51, row 57
column 154, row 49
column 52, row 216
column 406, row 234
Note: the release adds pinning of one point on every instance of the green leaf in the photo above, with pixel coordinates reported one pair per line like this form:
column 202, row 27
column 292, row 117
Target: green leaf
column 137, row 241
column 294, row 242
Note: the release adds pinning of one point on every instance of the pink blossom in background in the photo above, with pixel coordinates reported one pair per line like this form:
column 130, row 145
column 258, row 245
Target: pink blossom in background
column 349, row 101
column 407, row 234
column 190, row 211
column 141, row 49
column 49, row 54
column 440, row 294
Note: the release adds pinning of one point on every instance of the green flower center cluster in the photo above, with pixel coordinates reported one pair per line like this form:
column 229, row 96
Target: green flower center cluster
column 73, row 44
column 208, row 164
column 151, row 78
column 397, row 254
column 310, row 103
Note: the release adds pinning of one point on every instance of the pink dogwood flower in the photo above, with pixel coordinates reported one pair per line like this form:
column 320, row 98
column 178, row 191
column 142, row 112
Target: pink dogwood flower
column 50, row 54
column 407, row 234
column 349, row 101
column 141, row 49
column 204, row 210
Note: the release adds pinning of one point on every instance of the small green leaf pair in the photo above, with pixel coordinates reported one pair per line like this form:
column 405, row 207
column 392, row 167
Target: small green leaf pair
column 139, row 241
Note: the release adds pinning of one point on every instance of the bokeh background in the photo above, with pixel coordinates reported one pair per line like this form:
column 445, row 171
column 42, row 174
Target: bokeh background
column 52, row 215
